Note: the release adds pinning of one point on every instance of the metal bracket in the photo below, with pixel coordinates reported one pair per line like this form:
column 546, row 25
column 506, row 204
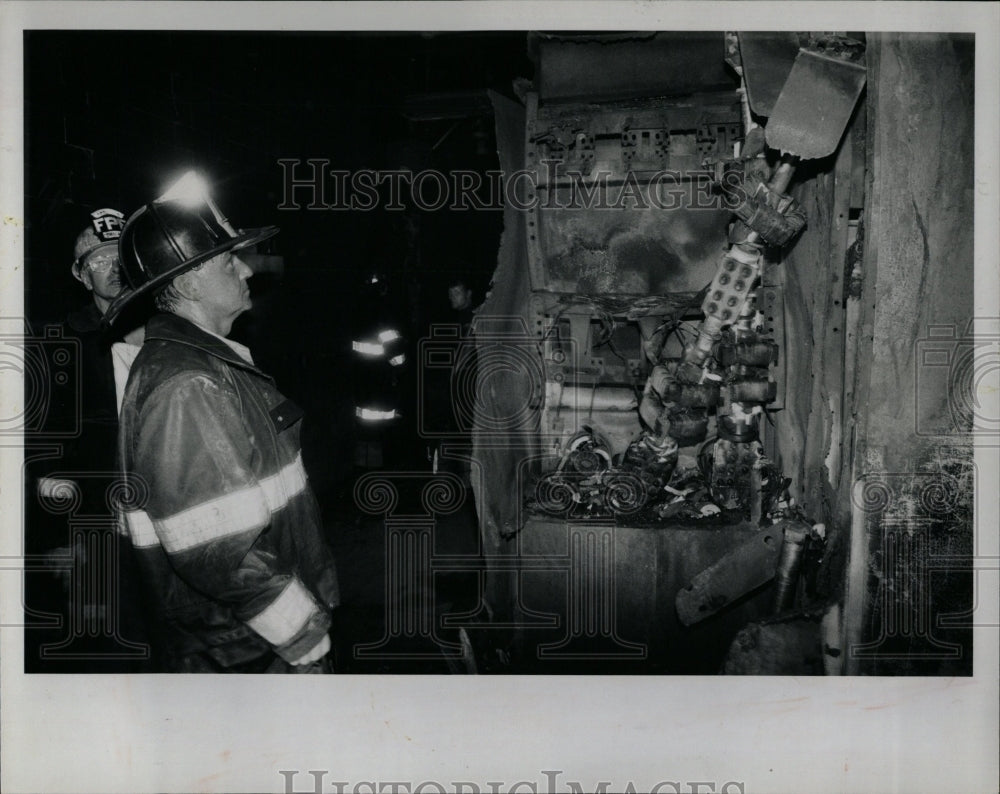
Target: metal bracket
column 772, row 305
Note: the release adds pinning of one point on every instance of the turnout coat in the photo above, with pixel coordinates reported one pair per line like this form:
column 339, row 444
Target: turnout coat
column 225, row 526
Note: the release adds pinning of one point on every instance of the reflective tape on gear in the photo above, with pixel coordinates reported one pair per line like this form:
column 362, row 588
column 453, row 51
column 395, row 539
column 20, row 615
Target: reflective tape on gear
column 244, row 510
column 284, row 617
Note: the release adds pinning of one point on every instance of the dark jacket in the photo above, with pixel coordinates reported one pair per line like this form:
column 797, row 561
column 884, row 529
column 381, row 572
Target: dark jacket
column 224, row 523
column 99, row 408
column 81, row 416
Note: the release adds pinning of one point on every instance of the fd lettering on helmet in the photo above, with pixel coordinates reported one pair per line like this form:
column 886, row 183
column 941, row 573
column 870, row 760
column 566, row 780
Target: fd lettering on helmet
column 107, row 223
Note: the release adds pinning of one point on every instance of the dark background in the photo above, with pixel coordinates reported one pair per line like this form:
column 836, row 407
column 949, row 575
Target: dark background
column 111, row 118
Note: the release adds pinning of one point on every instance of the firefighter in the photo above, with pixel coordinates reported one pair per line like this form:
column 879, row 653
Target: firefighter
column 99, row 618
column 379, row 377
column 96, row 265
column 223, row 520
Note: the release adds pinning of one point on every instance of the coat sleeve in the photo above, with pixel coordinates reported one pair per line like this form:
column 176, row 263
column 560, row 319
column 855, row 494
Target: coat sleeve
column 210, row 512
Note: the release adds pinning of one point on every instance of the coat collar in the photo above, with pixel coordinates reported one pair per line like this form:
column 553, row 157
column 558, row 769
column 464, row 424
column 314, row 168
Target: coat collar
column 171, row 328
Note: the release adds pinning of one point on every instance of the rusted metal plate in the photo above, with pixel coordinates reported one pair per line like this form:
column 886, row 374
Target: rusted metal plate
column 767, row 61
column 745, row 568
column 815, row 105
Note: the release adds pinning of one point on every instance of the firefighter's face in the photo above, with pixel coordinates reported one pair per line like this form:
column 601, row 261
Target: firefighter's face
column 101, row 274
column 223, row 286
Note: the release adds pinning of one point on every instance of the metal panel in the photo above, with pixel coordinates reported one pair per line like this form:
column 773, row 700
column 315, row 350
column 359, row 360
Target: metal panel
column 613, row 590
column 601, row 67
column 618, row 199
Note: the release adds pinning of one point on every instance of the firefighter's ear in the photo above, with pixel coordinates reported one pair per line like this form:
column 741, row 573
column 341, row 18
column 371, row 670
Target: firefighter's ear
column 187, row 286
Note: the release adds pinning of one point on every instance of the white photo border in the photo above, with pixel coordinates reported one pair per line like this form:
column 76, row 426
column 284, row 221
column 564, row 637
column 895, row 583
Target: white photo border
column 221, row 733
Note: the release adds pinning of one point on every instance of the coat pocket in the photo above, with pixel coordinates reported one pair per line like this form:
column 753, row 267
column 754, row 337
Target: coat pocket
column 284, row 415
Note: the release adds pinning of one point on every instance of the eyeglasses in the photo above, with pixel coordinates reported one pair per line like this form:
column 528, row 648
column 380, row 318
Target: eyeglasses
column 103, row 264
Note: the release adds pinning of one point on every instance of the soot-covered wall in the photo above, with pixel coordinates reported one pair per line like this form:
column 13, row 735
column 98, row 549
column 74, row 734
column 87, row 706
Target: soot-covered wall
column 910, row 587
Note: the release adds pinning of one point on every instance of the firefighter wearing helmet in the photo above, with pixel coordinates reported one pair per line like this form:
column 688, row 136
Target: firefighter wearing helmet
column 100, row 632
column 224, row 523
